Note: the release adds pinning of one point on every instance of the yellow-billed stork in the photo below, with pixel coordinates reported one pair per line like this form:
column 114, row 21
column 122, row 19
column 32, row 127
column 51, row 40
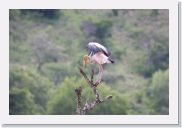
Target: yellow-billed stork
column 97, row 54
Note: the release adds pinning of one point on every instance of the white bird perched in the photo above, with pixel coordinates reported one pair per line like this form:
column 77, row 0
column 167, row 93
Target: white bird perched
column 98, row 54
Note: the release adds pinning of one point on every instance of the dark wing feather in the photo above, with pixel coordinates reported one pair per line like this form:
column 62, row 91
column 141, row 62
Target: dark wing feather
column 93, row 49
column 107, row 53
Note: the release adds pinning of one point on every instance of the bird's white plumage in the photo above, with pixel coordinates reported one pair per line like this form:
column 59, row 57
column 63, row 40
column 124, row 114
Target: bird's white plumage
column 100, row 58
column 99, row 46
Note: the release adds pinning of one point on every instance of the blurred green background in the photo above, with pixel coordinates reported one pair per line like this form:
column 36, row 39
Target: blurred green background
column 46, row 48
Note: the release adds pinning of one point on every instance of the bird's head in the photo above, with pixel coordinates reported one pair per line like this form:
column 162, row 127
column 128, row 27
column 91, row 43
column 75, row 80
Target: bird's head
column 85, row 60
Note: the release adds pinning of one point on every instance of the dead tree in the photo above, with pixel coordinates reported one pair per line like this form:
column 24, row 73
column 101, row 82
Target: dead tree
column 82, row 110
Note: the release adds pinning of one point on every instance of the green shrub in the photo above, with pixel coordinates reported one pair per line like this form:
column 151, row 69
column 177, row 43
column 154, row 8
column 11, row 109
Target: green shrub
column 160, row 92
column 63, row 100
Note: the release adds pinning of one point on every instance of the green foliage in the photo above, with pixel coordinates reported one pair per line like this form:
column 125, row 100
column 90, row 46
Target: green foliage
column 103, row 29
column 14, row 14
column 63, row 99
column 33, row 83
column 56, row 72
column 47, row 45
column 160, row 92
column 42, row 13
column 21, row 102
column 115, row 12
column 117, row 106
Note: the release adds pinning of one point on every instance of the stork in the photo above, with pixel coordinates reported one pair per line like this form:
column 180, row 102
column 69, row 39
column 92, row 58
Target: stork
column 97, row 54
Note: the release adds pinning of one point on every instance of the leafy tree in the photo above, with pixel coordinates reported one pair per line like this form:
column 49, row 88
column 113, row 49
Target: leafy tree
column 63, row 99
column 98, row 31
column 160, row 92
column 29, row 80
column 56, row 72
column 43, row 13
column 21, row 102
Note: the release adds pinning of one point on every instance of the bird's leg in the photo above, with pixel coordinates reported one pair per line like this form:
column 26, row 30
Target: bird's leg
column 100, row 73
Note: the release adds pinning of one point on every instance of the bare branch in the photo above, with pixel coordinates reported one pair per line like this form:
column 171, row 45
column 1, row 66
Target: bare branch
column 85, row 76
column 89, row 105
column 90, row 81
column 78, row 92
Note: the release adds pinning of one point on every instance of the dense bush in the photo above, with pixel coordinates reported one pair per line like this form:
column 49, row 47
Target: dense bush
column 63, row 99
column 21, row 102
column 43, row 13
column 160, row 92
column 31, row 86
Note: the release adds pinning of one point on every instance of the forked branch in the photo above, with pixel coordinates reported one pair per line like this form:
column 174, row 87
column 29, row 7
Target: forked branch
column 89, row 105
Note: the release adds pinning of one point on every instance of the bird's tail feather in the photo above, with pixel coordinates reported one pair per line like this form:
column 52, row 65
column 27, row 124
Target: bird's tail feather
column 111, row 60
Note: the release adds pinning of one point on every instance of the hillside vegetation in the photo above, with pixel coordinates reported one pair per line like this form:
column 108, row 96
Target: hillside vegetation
column 46, row 48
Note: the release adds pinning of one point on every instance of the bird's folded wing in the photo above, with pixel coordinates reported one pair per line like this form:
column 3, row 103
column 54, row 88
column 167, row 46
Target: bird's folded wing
column 93, row 49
